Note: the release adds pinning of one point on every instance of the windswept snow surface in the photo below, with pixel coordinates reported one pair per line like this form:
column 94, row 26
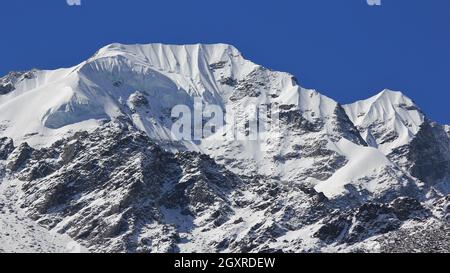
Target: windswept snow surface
column 144, row 82
column 387, row 120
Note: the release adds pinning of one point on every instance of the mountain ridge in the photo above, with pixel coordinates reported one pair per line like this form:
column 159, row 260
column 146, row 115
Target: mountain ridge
column 331, row 177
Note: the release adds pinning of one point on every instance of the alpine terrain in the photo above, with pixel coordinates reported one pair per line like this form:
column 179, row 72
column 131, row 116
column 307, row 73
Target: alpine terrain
column 89, row 161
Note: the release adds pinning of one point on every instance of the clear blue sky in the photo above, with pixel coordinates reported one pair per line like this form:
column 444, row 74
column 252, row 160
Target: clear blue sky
column 343, row 48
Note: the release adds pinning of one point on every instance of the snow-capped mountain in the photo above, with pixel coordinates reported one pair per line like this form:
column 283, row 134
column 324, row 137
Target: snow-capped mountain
column 386, row 121
column 89, row 152
column 395, row 125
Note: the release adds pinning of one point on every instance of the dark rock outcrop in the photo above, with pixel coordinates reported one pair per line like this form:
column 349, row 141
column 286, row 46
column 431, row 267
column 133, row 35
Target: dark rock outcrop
column 107, row 189
column 6, row 147
column 8, row 82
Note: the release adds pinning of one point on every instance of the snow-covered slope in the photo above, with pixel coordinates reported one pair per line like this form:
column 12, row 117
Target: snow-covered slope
column 19, row 234
column 33, row 110
column 93, row 150
column 394, row 124
column 387, row 120
column 144, row 82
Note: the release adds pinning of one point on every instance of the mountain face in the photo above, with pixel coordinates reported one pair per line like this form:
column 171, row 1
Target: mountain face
column 386, row 121
column 89, row 152
column 395, row 125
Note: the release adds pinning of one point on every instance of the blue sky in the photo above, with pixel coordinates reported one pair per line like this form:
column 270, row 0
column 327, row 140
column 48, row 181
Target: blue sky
column 346, row 49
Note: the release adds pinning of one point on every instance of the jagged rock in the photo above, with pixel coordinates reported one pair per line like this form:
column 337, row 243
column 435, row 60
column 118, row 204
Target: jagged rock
column 346, row 127
column 7, row 83
column 404, row 207
column 295, row 119
column 253, row 84
column 118, row 84
column 125, row 184
column 218, row 65
column 370, row 219
column 228, row 81
column 334, row 229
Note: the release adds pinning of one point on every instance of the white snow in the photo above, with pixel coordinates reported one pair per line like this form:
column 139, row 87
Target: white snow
column 394, row 112
column 54, row 103
column 58, row 103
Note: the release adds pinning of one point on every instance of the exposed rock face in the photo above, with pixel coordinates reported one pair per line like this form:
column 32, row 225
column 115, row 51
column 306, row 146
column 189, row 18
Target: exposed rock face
column 107, row 189
column 429, row 237
column 228, row 81
column 6, row 88
column 138, row 99
column 369, row 220
column 346, row 127
column 19, row 157
column 6, row 147
column 254, row 84
column 427, row 158
column 218, row 65
column 447, row 129
column 430, row 154
column 115, row 190
column 99, row 162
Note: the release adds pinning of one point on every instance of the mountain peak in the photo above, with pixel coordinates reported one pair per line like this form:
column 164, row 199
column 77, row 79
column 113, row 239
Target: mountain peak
column 392, row 94
column 169, row 50
column 387, row 120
